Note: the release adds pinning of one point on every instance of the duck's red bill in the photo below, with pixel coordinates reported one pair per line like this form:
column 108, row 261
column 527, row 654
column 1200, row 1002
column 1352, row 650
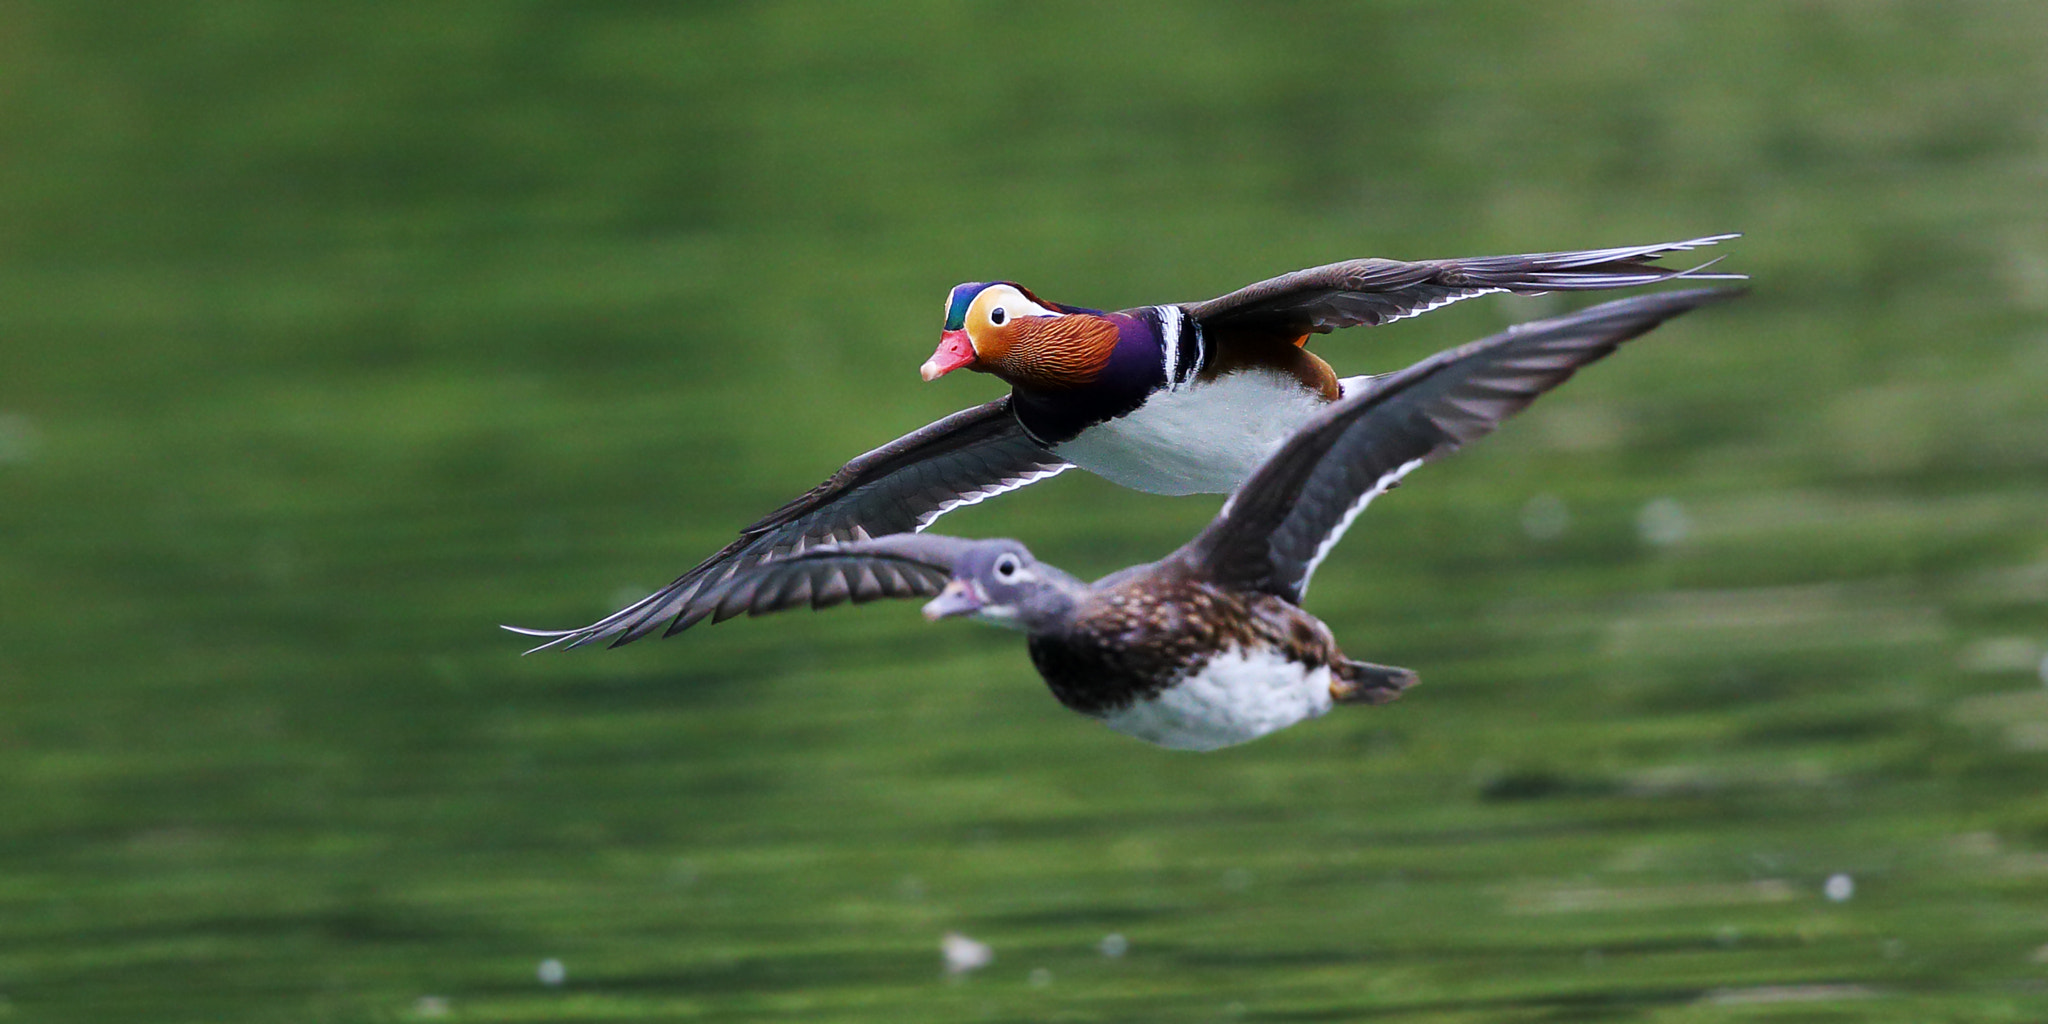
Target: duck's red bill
column 954, row 352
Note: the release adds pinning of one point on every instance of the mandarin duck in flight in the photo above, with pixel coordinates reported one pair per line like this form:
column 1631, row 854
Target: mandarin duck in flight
column 1173, row 399
column 1209, row 646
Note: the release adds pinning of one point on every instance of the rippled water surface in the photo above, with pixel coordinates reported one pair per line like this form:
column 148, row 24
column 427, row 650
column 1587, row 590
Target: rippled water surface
column 332, row 336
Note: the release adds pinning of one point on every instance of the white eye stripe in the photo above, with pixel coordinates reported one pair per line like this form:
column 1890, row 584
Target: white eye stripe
column 1012, row 303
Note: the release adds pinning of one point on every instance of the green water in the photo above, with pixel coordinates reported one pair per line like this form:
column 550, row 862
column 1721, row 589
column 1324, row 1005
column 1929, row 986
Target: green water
column 333, row 335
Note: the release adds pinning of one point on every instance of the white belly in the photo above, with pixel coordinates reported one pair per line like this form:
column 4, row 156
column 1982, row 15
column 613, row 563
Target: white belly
column 1234, row 698
column 1204, row 439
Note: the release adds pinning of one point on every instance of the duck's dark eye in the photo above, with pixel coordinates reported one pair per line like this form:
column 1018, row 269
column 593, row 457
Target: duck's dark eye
column 1006, row 567
column 997, row 315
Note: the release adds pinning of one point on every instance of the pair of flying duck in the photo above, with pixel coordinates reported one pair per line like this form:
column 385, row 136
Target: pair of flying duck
column 1208, row 646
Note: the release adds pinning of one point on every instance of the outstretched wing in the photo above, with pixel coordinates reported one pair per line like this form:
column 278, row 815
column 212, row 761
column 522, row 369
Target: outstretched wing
column 1374, row 291
column 1278, row 526
column 902, row 565
column 897, row 488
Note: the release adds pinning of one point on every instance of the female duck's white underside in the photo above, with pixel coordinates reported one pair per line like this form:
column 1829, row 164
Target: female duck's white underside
column 1235, row 697
column 1201, row 439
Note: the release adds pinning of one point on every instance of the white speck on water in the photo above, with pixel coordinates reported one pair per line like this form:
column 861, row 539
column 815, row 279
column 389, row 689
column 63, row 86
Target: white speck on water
column 1546, row 517
column 1113, row 945
column 1040, row 977
column 964, row 954
column 430, row 1006
column 19, row 438
column 1840, row 887
column 1663, row 522
column 552, row 973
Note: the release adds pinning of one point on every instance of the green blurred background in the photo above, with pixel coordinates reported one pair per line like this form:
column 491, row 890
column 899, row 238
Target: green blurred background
column 333, row 335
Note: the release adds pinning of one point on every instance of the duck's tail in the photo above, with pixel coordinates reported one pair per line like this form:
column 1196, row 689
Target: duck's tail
column 1362, row 682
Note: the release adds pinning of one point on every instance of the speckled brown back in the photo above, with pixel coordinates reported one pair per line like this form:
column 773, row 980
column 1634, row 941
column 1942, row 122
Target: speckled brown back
column 1130, row 641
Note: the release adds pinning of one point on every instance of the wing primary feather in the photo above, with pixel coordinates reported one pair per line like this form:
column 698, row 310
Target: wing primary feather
column 832, row 591
column 866, row 587
column 799, row 591
column 684, row 620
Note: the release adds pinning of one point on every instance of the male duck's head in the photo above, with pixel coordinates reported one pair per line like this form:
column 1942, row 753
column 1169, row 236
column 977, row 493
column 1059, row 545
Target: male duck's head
column 1001, row 328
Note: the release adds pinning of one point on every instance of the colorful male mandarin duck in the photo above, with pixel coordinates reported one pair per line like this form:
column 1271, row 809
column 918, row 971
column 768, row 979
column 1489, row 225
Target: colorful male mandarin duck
column 1173, row 399
column 1209, row 646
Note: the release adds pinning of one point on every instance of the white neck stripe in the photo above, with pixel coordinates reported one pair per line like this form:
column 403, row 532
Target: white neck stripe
column 1172, row 325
